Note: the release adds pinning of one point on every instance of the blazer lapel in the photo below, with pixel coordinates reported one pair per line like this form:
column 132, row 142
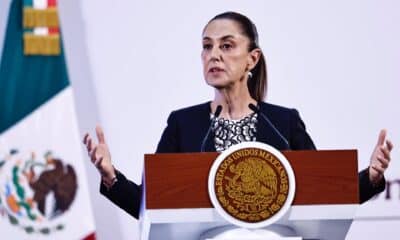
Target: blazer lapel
column 265, row 133
column 209, row 145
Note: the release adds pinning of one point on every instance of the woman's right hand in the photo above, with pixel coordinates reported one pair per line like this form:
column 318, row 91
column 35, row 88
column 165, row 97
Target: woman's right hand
column 99, row 154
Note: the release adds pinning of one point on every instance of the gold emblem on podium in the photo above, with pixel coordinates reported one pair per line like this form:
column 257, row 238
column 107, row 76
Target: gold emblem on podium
column 251, row 184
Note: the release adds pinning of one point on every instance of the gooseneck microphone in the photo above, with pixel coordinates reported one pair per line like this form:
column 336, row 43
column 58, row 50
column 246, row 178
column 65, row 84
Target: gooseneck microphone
column 216, row 114
column 266, row 119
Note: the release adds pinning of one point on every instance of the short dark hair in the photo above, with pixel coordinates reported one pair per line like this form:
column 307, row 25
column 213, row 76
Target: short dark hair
column 257, row 84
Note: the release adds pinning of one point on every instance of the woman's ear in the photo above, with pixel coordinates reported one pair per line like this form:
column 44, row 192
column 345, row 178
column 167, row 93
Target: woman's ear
column 254, row 57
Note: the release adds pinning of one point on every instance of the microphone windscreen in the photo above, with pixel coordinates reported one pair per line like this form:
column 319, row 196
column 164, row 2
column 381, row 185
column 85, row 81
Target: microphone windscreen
column 218, row 111
column 254, row 108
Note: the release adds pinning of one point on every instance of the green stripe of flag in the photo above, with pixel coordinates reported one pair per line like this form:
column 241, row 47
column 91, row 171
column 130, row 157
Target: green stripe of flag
column 28, row 3
column 26, row 82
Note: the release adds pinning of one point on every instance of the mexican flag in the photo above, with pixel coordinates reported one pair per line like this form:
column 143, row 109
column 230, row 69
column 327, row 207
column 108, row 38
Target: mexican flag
column 43, row 187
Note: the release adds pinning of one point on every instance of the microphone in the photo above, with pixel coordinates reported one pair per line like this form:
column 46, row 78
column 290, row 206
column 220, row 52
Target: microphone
column 216, row 114
column 266, row 119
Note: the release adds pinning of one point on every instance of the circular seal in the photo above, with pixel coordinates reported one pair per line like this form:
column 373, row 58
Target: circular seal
column 251, row 184
column 36, row 191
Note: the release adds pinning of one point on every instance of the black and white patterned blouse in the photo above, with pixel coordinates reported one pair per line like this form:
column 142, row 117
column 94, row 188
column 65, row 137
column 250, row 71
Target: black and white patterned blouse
column 231, row 132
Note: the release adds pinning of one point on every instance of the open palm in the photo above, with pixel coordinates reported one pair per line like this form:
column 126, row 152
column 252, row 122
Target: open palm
column 99, row 153
column 380, row 158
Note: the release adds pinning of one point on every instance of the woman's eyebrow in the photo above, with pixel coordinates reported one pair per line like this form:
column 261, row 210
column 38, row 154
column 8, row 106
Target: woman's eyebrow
column 221, row 38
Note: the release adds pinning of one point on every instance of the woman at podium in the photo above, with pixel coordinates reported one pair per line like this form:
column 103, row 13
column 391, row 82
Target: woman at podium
column 234, row 66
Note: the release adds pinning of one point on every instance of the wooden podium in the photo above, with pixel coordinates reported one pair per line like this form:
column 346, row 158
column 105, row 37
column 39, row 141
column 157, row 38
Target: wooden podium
column 176, row 203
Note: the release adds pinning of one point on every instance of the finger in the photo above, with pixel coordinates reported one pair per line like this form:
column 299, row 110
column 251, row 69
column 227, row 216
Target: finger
column 89, row 145
column 384, row 162
column 85, row 138
column 381, row 138
column 100, row 134
column 379, row 169
column 87, row 141
column 386, row 152
column 389, row 145
column 97, row 163
column 93, row 155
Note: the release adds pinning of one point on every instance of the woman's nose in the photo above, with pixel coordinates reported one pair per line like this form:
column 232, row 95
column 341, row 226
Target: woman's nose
column 215, row 54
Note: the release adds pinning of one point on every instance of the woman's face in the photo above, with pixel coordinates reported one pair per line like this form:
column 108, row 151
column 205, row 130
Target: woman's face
column 225, row 56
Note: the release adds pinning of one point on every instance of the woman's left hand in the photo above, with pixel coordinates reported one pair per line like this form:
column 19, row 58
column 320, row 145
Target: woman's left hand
column 380, row 158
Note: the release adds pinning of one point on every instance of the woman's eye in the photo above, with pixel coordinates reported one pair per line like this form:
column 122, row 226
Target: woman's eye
column 226, row 46
column 207, row 46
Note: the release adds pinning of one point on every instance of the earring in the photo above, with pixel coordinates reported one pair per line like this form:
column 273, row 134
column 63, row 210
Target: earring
column 250, row 74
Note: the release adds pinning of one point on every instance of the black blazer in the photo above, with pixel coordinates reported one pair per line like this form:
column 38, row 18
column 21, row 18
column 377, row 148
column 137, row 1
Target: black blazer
column 187, row 128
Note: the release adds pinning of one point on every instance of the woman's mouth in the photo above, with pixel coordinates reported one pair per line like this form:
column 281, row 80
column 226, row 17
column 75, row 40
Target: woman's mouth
column 215, row 70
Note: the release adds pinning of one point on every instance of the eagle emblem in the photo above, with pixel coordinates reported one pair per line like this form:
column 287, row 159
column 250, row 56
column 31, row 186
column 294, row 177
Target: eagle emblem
column 36, row 191
column 251, row 185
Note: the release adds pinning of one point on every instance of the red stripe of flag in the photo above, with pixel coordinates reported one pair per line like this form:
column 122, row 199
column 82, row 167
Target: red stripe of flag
column 91, row 236
column 51, row 3
column 54, row 30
